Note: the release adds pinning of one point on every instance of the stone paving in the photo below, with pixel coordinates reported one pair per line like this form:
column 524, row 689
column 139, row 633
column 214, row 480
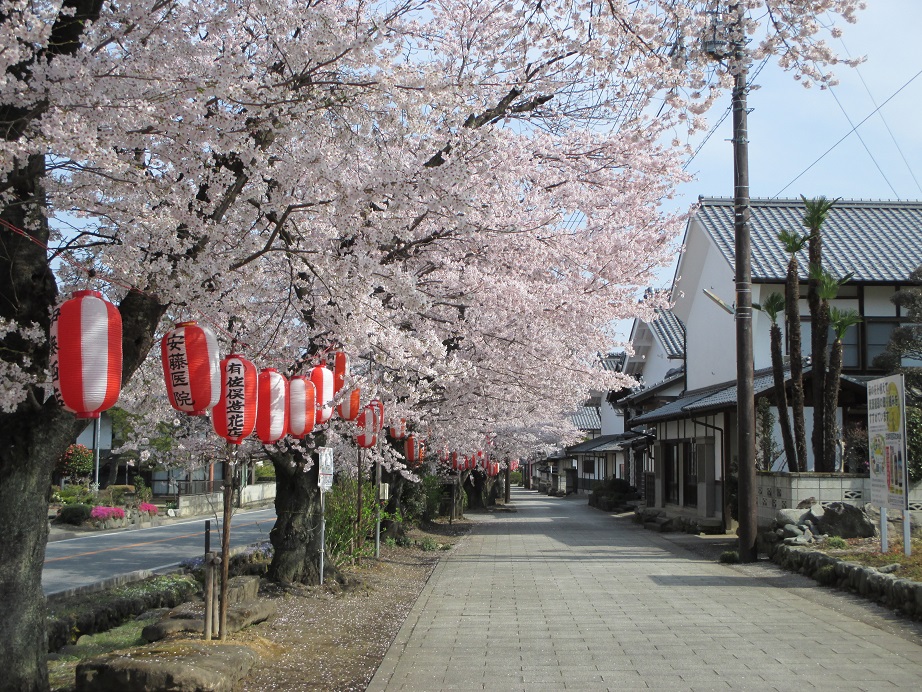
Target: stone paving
column 560, row 596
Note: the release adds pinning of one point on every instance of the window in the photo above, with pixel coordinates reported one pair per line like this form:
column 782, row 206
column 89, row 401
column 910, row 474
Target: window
column 671, row 472
column 878, row 336
column 689, row 476
column 589, row 466
column 851, row 350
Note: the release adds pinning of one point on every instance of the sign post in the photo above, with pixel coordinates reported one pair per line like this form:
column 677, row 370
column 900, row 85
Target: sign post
column 325, row 481
column 887, row 453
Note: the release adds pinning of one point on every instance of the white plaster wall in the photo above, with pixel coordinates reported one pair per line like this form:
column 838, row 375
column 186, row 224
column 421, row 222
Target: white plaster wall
column 612, row 419
column 877, row 301
column 711, row 336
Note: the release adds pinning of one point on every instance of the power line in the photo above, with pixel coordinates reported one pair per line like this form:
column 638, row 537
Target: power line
column 845, row 136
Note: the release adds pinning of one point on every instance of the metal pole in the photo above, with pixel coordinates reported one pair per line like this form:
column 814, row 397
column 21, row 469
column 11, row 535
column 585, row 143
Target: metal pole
column 745, row 374
column 225, row 537
column 378, row 508
column 358, row 508
column 209, row 579
column 884, row 547
column 96, row 450
column 323, row 533
column 907, row 534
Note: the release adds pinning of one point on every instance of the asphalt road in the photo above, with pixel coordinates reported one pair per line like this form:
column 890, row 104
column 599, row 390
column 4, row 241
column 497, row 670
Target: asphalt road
column 93, row 558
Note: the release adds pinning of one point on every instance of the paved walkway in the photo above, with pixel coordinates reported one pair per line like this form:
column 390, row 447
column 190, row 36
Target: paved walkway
column 561, row 596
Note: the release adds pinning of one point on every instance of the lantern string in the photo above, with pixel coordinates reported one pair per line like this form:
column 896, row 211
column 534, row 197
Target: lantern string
column 92, row 274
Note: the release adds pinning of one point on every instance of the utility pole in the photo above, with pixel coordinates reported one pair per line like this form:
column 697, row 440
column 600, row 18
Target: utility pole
column 745, row 371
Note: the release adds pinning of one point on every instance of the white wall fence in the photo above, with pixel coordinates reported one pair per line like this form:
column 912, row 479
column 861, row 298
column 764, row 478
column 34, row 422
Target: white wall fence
column 210, row 503
column 776, row 491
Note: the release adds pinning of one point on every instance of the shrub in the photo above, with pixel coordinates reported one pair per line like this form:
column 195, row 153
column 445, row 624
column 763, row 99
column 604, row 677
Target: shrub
column 432, row 489
column 115, row 494
column 826, row 575
column 75, row 514
column 148, row 508
column 729, row 557
column 836, row 542
column 620, row 486
column 340, row 520
column 428, row 544
column 102, row 513
column 515, row 477
column 142, row 490
column 74, row 495
column 76, row 462
column 265, row 473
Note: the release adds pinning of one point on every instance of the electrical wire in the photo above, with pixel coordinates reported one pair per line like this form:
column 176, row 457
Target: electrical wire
column 845, row 136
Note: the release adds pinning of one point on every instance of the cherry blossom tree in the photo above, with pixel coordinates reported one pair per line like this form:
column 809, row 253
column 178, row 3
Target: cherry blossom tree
column 465, row 193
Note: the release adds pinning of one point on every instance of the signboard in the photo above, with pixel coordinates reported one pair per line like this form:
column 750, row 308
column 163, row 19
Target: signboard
column 887, row 443
column 325, row 458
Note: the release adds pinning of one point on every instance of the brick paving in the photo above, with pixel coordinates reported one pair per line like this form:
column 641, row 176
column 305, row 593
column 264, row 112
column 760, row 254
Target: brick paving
column 560, row 596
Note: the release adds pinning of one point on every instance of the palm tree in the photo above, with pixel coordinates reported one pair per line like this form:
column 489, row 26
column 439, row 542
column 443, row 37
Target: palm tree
column 816, row 211
column 794, row 243
column 824, row 414
column 773, row 306
column 840, row 321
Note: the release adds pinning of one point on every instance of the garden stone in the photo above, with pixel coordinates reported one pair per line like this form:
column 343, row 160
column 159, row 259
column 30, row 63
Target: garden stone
column 788, row 516
column 791, row 531
column 177, row 666
column 889, row 569
column 847, row 521
column 796, row 540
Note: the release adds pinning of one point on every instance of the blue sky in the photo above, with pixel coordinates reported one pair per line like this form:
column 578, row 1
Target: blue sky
column 791, row 127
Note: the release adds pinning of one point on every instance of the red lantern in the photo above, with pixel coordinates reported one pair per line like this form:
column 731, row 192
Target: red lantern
column 367, row 427
column 234, row 416
column 411, row 450
column 323, row 382
column 379, row 421
column 272, row 406
column 340, row 373
column 421, row 456
column 86, row 354
column 302, row 406
column 191, row 367
column 470, row 462
column 399, row 429
column 349, row 409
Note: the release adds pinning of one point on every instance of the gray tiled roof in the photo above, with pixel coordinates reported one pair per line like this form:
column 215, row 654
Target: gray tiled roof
column 587, row 418
column 647, row 392
column 877, row 241
column 614, row 362
column 603, row 443
column 670, row 331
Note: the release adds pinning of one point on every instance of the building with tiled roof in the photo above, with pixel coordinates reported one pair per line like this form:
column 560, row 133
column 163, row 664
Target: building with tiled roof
column 691, row 409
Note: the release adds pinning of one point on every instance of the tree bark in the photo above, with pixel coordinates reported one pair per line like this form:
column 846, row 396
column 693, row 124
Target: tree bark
column 832, row 404
column 792, row 318
column 820, row 379
column 295, row 537
column 781, row 398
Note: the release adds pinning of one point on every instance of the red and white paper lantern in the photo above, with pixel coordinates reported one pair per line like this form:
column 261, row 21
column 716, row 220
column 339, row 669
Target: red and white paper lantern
column 323, row 384
column 398, row 429
column 349, row 409
column 272, row 406
column 191, row 368
column 86, row 354
column 379, row 421
column 234, row 416
column 340, row 372
column 302, row 406
column 411, row 450
column 366, row 435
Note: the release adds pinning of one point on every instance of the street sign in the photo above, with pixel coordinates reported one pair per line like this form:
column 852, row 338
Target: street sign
column 325, row 456
column 887, row 438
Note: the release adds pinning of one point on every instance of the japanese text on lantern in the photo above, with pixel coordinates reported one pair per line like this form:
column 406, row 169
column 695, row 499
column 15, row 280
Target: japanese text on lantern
column 179, row 370
column 235, row 398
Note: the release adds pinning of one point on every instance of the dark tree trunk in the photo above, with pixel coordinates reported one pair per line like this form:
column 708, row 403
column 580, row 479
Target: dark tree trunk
column 295, row 537
column 477, row 491
column 395, row 504
column 832, row 404
column 781, row 398
column 820, row 377
column 818, row 346
column 792, row 318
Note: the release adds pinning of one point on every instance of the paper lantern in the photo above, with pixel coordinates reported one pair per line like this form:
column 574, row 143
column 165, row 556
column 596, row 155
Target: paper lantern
column 323, row 383
column 398, row 429
column 272, row 406
column 234, row 416
column 411, row 450
column 86, row 354
column 340, row 372
column 470, row 462
column 302, row 406
column 191, row 368
column 349, row 409
column 367, row 427
column 379, row 421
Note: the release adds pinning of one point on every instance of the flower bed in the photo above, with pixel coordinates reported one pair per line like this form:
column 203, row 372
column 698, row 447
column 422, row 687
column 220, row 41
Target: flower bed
column 148, row 508
column 101, row 513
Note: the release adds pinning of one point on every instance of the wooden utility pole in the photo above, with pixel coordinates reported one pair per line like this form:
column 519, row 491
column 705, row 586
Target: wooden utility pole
column 745, row 371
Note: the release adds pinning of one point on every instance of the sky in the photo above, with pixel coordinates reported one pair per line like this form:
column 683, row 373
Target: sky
column 792, row 128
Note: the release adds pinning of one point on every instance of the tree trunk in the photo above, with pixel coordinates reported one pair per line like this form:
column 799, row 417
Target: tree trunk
column 781, row 399
column 820, row 377
column 395, row 504
column 792, row 317
column 832, row 404
column 295, row 537
column 476, row 488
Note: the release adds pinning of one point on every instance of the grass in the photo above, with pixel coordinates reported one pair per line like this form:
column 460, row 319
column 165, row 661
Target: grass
column 62, row 670
column 867, row 552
